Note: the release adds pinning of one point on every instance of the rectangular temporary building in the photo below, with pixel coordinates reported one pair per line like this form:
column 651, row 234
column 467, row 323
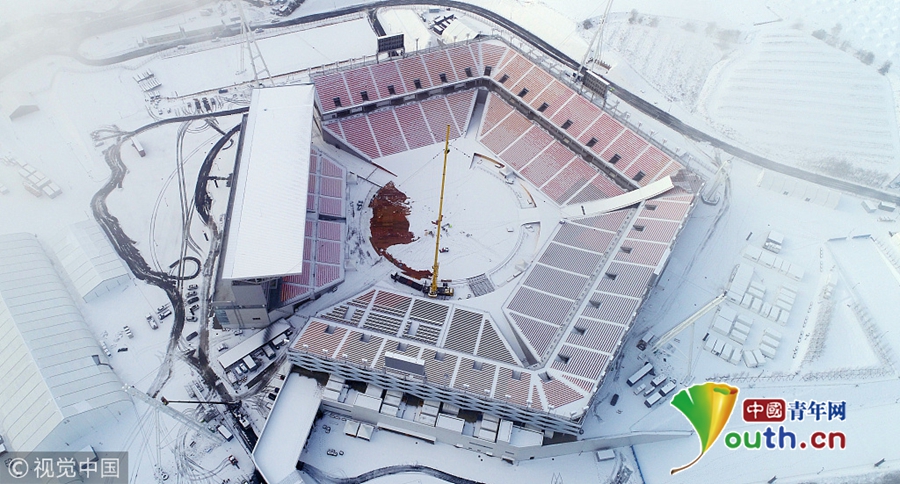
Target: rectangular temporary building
column 89, row 259
column 56, row 385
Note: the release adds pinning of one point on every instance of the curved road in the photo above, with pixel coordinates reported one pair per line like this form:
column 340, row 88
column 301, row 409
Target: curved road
column 322, row 477
column 127, row 250
column 621, row 92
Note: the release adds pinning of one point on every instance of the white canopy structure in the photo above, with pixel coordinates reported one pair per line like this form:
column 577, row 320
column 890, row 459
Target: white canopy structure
column 286, row 430
column 90, row 260
column 268, row 214
column 55, row 382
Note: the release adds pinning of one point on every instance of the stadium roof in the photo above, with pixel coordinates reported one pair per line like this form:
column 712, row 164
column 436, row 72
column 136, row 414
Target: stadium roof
column 268, row 215
column 88, row 257
column 47, row 368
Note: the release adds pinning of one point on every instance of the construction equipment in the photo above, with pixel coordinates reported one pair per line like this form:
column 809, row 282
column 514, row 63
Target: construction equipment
column 444, row 290
column 687, row 322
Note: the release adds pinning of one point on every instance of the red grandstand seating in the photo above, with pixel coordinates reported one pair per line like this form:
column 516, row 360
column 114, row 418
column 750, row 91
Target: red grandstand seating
column 580, row 112
column 494, row 112
column 461, row 105
column 326, row 273
column 597, row 335
column 513, row 70
column 630, row 280
column 519, row 153
column 547, row 164
column 665, row 209
column 654, row 230
column 567, row 182
column 493, row 55
column 600, row 187
column 559, row 394
column 642, row 252
column 412, row 68
column 331, row 187
column 437, row 63
column 586, row 363
column 505, row 132
column 555, row 95
column 328, row 230
column 535, row 81
column 628, row 146
column 358, row 133
column 291, row 291
column 387, row 132
column 331, row 206
column 358, row 81
column 328, row 252
column 604, row 130
column 437, row 114
column 462, row 57
column 330, row 87
column 386, row 74
column 412, row 124
column 538, row 333
column 329, row 168
column 669, row 170
column 651, row 163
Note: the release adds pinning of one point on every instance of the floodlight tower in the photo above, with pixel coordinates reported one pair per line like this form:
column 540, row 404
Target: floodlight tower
column 434, row 290
column 596, row 43
column 249, row 39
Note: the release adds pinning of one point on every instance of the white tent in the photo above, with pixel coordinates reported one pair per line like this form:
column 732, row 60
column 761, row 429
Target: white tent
column 90, row 260
column 55, row 382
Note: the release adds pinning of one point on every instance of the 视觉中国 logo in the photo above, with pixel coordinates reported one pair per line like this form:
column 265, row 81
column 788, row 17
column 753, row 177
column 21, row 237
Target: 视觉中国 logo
column 708, row 407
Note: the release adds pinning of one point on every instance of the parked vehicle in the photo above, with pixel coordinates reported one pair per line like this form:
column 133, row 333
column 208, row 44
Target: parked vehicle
column 128, row 332
column 191, row 336
column 193, row 300
column 223, row 346
column 224, row 432
column 152, row 322
column 191, row 319
column 194, row 308
column 192, row 287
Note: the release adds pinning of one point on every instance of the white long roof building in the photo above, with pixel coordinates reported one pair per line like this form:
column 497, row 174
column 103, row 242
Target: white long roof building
column 52, row 390
column 268, row 219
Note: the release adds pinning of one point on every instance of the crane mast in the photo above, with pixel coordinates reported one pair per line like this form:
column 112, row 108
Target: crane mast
column 434, row 290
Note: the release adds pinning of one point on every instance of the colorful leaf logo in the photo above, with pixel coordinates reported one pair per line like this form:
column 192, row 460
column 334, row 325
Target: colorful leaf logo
column 708, row 407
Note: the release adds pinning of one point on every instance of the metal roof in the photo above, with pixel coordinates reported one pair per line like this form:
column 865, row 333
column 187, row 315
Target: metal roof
column 268, row 218
column 47, row 371
column 88, row 257
column 252, row 343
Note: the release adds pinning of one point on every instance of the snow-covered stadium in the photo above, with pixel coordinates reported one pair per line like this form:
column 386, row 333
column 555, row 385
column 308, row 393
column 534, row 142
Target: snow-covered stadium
column 530, row 336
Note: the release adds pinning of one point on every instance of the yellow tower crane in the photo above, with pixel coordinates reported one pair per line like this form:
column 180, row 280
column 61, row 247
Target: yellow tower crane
column 434, row 290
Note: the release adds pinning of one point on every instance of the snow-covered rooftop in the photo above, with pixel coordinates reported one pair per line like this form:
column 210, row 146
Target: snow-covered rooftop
column 89, row 259
column 268, row 217
column 287, row 428
column 50, row 375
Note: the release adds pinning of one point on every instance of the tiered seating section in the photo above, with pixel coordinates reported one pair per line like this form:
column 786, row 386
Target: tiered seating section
column 514, row 140
column 323, row 255
column 392, row 130
column 575, row 303
column 537, row 157
column 343, row 90
column 553, row 286
column 608, row 311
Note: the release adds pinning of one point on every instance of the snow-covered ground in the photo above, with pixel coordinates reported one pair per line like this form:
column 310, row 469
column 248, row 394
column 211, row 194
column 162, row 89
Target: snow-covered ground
column 753, row 73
